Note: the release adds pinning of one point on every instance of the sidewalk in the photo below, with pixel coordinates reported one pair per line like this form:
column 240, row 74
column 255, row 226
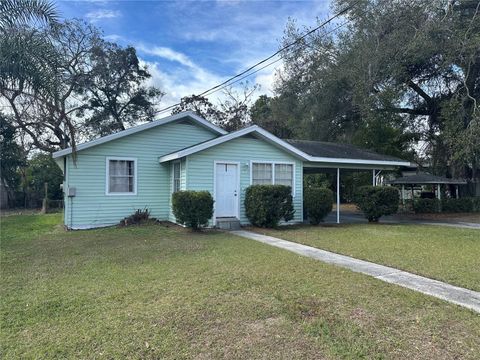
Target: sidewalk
column 456, row 295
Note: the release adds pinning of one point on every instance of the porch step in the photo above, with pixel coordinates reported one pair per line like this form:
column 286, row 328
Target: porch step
column 228, row 223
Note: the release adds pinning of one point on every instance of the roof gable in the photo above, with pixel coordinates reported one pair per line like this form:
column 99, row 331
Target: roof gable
column 133, row 130
column 251, row 130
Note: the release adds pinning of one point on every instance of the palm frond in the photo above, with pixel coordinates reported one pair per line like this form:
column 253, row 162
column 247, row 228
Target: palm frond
column 27, row 61
column 27, row 12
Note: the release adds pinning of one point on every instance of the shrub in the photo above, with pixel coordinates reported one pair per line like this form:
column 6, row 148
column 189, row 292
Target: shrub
column 266, row 205
column 138, row 217
column 476, row 204
column 192, row 208
column 317, row 203
column 457, row 205
column 421, row 206
column 377, row 201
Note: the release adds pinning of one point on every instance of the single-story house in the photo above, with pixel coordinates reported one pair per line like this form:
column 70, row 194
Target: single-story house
column 142, row 166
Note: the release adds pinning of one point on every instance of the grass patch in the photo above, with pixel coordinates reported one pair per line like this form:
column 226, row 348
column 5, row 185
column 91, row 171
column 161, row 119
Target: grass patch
column 164, row 292
column 443, row 253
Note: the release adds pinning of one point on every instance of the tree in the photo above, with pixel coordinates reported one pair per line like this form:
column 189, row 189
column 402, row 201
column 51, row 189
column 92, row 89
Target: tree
column 11, row 156
column 114, row 89
column 231, row 113
column 42, row 169
column 27, row 57
column 234, row 108
column 15, row 13
column 399, row 72
column 266, row 112
column 98, row 89
column 201, row 106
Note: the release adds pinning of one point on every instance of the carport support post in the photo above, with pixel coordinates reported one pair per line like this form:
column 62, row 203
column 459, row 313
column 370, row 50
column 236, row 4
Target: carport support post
column 403, row 196
column 373, row 178
column 338, row 195
column 456, row 191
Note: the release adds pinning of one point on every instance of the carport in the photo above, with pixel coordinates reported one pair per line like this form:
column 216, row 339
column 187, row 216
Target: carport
column 338, row 158
column 426, row 179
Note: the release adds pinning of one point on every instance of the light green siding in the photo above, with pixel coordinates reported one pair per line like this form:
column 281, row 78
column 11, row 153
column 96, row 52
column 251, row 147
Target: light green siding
column 91, row 207
column 200, row 168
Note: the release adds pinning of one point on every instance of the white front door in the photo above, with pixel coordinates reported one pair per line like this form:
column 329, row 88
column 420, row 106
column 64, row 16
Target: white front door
column 226, row 191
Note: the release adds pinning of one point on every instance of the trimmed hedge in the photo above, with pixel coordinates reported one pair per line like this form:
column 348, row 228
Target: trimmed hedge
column 192, row 208
column 317, row 203
column 266, row 205
column 466, row 204
column 377, row 201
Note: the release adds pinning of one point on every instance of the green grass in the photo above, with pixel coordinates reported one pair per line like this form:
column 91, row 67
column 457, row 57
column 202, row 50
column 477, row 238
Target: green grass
column 163, row 292
column 444, row 253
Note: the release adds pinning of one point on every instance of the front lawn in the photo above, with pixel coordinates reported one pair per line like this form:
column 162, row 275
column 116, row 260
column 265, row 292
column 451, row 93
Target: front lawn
column 444, row 253
column 163, row 292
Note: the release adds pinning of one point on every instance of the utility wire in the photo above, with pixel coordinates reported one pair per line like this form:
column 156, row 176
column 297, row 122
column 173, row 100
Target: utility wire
column 227, row 82
column 273, row 62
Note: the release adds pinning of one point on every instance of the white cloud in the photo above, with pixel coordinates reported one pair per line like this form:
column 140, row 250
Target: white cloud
column 167, row 53
column 103, row 14
column 114, row 38
column 179, row 83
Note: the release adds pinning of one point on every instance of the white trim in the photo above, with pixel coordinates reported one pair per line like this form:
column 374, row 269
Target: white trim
column 274, row 162
column 107, row 175
column 338, row 196
column 135, row 129
column 172, row 190
column 239, row 195
column 278, row 142
column 220, row 140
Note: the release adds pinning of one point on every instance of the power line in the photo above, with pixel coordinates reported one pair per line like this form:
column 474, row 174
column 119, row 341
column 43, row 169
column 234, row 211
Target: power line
column 273, row 62
column 227, row 82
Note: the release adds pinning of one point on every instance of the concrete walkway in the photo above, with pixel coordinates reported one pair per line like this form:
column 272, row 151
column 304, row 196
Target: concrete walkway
column 456, row 295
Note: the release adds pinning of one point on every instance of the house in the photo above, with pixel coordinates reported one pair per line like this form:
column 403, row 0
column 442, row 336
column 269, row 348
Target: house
column 142, row 166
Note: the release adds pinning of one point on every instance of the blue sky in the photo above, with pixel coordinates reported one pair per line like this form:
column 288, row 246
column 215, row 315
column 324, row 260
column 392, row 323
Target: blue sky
column 191, row 46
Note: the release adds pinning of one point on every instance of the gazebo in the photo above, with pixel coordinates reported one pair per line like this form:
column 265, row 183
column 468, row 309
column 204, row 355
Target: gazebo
column 426, row 179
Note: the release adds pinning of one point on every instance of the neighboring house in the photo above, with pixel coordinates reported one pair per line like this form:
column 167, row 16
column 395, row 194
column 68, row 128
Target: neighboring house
column 142, row 166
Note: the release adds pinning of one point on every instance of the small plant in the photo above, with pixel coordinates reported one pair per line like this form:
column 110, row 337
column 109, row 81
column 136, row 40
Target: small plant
column 267, row 205
column 192, row 208
column 377, row 201
column 138, row 217
column 317, row 203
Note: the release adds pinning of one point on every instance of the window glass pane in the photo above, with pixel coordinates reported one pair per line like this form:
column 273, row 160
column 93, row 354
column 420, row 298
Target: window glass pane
column 176, row 176
column 284, row 174
column 261, row 174
column 121, row 176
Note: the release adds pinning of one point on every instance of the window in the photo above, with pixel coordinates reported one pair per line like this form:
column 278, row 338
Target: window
column 284, row 174
column 273, row 173
column 176, row 176
column 261, row 174
column 121, row 176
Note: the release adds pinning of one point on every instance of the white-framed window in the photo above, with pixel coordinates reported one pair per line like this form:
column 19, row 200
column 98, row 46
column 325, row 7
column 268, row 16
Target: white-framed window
column 176, row 175
column 279, row 173
column 284, row 174
column 262, row 174
column 121, row 176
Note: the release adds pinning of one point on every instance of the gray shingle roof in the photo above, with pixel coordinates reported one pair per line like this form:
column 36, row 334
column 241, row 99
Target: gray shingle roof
column 337, row 150
column 424, row 178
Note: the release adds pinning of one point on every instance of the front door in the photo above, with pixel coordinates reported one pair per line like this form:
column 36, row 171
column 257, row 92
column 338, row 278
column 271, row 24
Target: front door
column 226, row 191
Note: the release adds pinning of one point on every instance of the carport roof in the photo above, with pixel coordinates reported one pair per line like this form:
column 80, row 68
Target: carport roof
column 338, row 151
column 424, row 178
